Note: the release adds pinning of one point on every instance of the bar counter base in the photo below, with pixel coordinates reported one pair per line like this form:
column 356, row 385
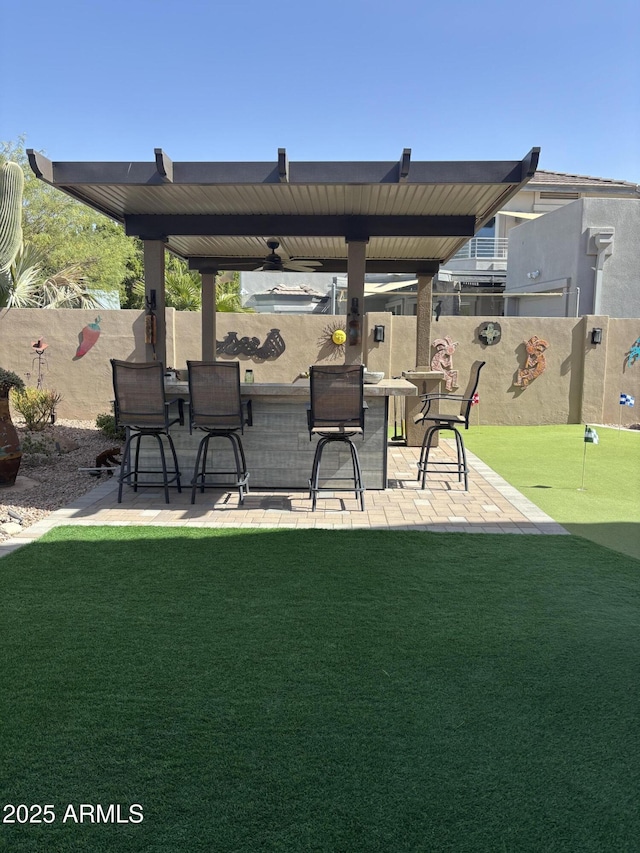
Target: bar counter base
column 277, row 447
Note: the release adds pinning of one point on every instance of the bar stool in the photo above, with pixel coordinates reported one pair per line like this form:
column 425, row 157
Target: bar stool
column 441, row 422
column 141, row 407
column 336, row 414
column 216, row 408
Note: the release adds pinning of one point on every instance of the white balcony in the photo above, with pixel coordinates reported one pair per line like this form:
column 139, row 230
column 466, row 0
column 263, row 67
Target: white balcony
column 484, row 248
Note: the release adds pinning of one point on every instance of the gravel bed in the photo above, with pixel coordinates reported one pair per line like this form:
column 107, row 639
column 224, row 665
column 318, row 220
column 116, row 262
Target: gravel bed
column 49, row 477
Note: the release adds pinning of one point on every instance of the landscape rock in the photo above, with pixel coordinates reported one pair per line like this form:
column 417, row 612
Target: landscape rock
column 10, row 528
column 47, row 482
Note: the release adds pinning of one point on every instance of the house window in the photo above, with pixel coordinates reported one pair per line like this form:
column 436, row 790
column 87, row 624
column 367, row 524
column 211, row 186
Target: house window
column 488, row 230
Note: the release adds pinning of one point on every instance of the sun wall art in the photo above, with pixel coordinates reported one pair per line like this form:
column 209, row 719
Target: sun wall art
column 333, row 339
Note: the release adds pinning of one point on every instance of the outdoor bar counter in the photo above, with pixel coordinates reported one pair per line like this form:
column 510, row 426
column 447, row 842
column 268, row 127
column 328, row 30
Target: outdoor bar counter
column 277, row 446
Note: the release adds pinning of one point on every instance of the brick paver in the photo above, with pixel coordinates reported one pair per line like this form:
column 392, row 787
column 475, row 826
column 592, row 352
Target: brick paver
column 490, row 506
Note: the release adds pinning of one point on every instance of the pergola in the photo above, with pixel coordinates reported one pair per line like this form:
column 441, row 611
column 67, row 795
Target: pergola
column 353, row 217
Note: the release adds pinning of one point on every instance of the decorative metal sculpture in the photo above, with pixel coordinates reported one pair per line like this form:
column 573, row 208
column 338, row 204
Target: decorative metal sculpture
column 490, row 333
column 39, row 347
column 443, row 361
column 535, row 363
column 273, row 345
column 633, row 355
column 333, row 339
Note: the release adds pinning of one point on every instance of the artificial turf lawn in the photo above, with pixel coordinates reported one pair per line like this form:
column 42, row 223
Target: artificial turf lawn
column 321, row 691
column 545, row 463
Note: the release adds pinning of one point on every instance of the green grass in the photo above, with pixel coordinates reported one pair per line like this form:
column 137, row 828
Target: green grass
column 545, row 463
column 321, row 691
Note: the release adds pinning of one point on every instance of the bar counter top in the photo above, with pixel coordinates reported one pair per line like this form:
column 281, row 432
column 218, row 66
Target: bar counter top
column 300, row 388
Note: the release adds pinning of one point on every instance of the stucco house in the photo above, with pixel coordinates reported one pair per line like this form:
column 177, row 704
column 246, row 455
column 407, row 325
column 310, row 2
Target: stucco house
column 506, row 254
column 583, row 258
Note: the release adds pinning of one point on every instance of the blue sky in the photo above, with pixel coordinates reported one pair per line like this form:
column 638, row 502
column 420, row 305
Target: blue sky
column 337, row 80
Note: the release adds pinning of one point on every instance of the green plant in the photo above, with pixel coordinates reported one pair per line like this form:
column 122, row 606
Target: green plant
column 25, row 284
column 9, row 380
column 36, row 405
column 36, row 445
column 107, row 425
column 11, row 189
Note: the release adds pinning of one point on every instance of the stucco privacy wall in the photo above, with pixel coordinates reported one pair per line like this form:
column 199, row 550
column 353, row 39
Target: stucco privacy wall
column 581, row 383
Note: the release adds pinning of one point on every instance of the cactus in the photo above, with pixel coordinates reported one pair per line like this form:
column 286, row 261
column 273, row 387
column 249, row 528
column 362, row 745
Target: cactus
column 11, row 187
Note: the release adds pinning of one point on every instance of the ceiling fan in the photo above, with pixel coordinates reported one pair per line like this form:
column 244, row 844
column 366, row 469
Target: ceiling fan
column 275, row 262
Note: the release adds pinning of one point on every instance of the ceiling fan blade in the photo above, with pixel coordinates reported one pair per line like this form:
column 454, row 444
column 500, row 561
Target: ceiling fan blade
column 301, row 266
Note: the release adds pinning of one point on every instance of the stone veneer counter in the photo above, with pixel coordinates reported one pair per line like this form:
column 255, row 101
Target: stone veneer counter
column 277, row 446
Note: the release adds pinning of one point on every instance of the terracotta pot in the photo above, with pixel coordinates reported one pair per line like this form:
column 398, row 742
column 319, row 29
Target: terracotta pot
column 10, row 453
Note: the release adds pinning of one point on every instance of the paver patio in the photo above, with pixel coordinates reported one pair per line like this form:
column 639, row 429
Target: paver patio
column 490, row 506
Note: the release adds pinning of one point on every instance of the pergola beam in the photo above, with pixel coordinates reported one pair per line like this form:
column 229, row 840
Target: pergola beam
column 283, row 166
column 405, row 162
column 164, row 165
column 489, row 172
column 426, row 266
column 262, row 225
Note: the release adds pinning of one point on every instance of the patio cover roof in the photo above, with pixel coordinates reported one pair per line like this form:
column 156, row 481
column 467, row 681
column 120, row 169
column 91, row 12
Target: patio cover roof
column 413, row 216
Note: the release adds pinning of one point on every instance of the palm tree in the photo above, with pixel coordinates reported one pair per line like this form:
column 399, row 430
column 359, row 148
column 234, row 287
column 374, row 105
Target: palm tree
column 24, row 285
column 228, row 297
column 183, row 289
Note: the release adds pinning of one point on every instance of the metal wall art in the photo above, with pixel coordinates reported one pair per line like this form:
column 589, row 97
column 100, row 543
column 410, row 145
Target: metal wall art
column 87, row 338
column 443, row 361
column 333, row 339
column 535, row 363
column 272, row 347
column 633, row 355
column 489, row 333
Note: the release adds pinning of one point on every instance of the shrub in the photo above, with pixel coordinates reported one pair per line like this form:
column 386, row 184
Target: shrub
column 9, row 380
column 36, row 446
column 107, row 425
column 36, row 405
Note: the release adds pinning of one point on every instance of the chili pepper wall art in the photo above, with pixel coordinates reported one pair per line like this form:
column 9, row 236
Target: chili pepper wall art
column 88, row 336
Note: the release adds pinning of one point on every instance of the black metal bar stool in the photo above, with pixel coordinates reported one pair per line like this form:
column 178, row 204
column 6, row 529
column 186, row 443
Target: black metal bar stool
column 336, row 414
column 141, row 407
column 216, row 408
column 440, row 422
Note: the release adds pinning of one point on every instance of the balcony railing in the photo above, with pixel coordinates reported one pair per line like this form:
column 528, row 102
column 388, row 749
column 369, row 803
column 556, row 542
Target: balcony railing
column 483, row 247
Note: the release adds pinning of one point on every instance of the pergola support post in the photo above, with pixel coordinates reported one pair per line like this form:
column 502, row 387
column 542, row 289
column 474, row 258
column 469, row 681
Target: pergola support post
column 154, row 295
column 424, row 311
column 426, row 380
column 356, row 268
column 208, row 316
